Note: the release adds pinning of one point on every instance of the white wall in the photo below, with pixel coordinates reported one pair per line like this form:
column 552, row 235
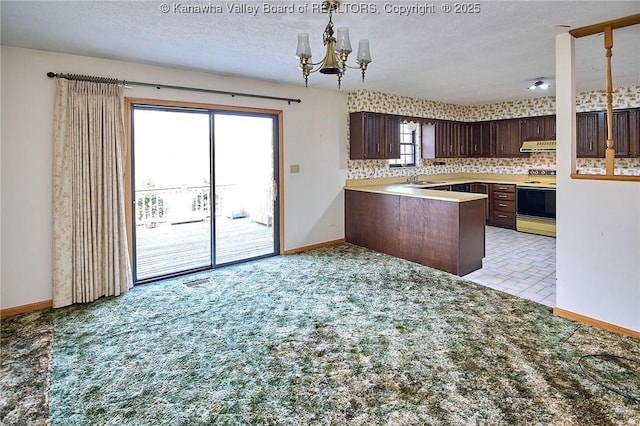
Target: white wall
column 314, row 137
column 598, row 224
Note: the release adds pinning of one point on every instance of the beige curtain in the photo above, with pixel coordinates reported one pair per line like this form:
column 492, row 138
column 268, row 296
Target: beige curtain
column 90, row 252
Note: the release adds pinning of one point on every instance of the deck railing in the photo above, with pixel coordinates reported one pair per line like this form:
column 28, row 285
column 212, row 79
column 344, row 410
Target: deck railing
column 193, row 203
column 175, row 204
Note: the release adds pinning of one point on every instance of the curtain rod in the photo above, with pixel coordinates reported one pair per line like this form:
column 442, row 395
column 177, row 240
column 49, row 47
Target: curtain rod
column 164, row 86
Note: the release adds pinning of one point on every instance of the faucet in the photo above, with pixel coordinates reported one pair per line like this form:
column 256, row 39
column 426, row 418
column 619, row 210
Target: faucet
column 413, row 178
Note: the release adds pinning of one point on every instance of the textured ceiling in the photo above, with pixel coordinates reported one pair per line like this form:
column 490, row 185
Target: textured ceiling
column 463, row 58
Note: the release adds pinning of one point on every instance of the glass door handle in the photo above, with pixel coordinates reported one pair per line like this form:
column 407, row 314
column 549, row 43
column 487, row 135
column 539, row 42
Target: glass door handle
column 274, row 191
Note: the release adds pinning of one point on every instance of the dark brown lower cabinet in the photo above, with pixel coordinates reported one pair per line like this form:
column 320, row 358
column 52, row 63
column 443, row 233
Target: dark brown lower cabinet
column 502, row 206
column 445, row 235
column 482, row 188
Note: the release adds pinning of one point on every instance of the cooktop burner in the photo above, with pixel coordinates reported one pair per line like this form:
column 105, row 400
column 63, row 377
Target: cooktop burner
column 538, row 183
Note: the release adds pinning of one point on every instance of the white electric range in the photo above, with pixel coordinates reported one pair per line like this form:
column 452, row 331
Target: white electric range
column 536, row 203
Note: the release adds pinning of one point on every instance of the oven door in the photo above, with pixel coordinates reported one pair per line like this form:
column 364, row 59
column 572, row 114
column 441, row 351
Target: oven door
column 535, row 202
column 536, row 208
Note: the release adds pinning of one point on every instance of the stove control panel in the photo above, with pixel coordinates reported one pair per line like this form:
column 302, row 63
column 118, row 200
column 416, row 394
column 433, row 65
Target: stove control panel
column 541, row 172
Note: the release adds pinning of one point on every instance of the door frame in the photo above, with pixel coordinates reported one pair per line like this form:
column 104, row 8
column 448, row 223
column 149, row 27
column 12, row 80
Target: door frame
column 128, row 171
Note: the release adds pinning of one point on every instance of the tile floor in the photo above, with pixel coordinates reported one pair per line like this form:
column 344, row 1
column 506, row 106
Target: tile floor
column 520, row 264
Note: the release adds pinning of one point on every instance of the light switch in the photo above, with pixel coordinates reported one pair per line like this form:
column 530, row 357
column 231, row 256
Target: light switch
column 294, row 168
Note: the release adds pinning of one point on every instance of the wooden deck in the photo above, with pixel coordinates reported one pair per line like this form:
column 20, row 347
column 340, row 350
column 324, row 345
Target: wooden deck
column 167, row 248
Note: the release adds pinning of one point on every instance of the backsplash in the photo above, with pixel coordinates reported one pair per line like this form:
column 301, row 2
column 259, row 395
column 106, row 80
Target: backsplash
column 366, row 100
column 596, row 166
column 374, row 169
column 370, row 169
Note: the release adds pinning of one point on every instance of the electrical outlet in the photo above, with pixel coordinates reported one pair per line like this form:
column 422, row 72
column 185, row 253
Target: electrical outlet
column 294, row 168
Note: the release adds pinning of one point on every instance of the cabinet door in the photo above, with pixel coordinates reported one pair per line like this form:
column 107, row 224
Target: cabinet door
column 621, row 132
column 532, row 128
column 508, row 139
column 481, row 139
column 455, row 135
column 365, row 133
column 464, row 140
column 482, row 188
column 392, row 137
column 550, row 127
column 373, row 134
column 443, row 136
column 589, row 137
column 634, row 132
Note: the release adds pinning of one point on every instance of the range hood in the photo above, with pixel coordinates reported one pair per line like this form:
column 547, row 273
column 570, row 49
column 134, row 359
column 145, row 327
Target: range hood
column 538, row 146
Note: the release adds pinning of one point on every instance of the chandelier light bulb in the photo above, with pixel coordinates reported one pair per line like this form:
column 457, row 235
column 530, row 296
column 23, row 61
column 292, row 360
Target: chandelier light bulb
column 343, row 44
column 304, row 49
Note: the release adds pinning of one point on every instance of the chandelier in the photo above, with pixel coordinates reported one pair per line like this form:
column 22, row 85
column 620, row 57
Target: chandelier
column 337, row 50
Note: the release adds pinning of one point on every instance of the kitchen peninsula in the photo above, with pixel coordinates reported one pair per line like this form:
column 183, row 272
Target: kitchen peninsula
column 440, row 229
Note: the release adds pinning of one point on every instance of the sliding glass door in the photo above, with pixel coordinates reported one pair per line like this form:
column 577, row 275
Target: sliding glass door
column 245, row 186
column 204, row 186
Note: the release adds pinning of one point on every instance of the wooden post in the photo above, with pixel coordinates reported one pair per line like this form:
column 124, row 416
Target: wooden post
column 610, row 152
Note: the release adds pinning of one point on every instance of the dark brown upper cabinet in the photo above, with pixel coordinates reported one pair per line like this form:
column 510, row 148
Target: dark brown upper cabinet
column 589, row 134
column 374, row 136
column 532, row 128
column 592, row 133
column 481, row 139
column 447, row 139
column 634, row 132
column 464, row 140
column 508, row 138
column 621, row 132
column 550, row 127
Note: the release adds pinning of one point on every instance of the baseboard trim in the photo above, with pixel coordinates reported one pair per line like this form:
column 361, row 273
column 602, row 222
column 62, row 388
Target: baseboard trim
column 26, row 308
column 596, row 323
column 314, row 246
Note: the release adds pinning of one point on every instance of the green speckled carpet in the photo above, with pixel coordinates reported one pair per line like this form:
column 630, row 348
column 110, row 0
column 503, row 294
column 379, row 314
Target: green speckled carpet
column 336, row 336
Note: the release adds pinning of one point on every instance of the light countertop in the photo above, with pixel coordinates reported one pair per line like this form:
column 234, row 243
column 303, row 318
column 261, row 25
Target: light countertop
column 419, row 192
column 399, row 185
column 456, row 178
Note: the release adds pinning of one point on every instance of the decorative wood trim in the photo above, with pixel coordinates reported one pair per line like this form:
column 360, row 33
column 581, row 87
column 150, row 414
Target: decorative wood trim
column 314, row 246
column 619, row 178
column 596, row 323
column 607, row 28
column 26, row 308
column 281, row 178
column 610, row 152
column 598, row 28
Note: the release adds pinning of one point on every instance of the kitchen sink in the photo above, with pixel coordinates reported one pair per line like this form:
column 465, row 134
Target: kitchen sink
column 425, row 182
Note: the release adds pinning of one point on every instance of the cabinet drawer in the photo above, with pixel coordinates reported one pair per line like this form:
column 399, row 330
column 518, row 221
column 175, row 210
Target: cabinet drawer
column 505, row 218
column 504, row 196
column 504, row 188
column 504, row 206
